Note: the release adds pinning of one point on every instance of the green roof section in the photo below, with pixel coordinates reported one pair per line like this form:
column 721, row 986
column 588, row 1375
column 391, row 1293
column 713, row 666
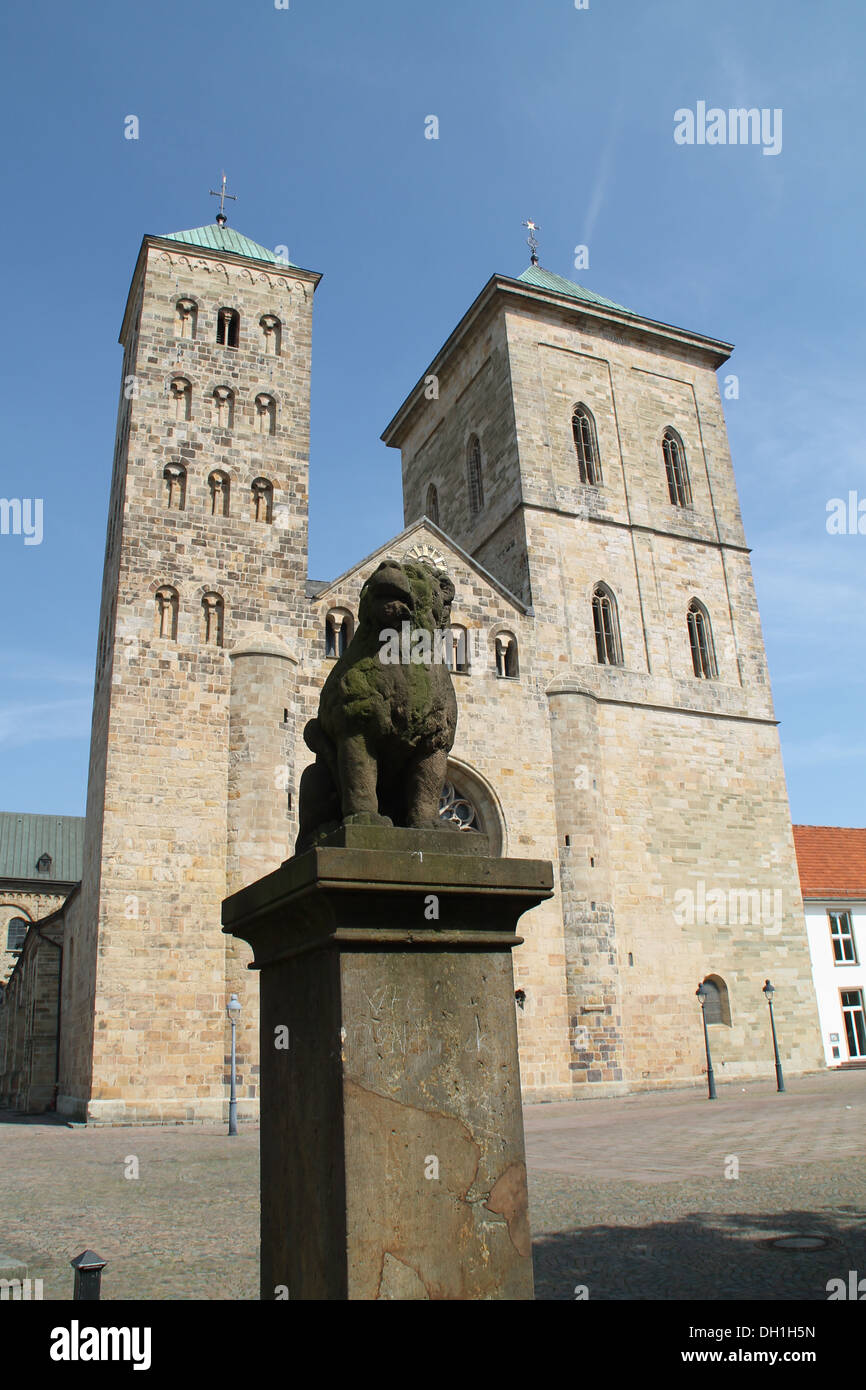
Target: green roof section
column 25, row 839
column 216, row 238
column 547, row 280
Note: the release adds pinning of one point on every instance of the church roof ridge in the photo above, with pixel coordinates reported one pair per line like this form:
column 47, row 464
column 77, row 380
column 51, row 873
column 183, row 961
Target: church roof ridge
column 217, row 238
column 548, row 280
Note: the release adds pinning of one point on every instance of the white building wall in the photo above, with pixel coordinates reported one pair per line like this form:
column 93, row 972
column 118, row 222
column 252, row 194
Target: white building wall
column 829, row 976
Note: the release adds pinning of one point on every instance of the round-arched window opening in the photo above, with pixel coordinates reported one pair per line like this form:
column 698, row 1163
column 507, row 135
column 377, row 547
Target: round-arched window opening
column 15, row 933
column 717, row 1004
column 467, row 803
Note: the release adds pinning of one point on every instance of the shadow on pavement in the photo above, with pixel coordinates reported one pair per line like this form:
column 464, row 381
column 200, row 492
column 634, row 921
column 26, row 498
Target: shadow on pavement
column 704, row 1256
column 16, row 1117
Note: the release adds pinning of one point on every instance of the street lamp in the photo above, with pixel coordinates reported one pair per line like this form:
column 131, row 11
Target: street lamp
column 703, row 995
column 233, row 1009
column 769, row 991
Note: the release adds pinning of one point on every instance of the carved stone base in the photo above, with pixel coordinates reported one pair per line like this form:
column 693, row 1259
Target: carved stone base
column 392, row 1141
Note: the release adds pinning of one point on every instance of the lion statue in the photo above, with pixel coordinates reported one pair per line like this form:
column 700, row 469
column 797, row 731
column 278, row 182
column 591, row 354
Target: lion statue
column 385, row 726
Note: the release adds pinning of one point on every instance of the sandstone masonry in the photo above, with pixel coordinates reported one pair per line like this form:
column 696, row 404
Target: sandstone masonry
column 647, row 787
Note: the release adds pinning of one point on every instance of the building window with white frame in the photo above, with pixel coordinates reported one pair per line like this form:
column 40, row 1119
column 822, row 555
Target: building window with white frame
column 842, row 938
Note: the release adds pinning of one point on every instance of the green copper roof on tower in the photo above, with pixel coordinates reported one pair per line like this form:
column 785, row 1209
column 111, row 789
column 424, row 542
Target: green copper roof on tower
column 547, row 280
column 217, row 238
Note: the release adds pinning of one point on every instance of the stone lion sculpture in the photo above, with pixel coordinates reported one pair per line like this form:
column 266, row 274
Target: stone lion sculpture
column 385, row 726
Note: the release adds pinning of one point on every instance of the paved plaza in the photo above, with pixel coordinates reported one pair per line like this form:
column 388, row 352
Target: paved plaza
column 629, row 1197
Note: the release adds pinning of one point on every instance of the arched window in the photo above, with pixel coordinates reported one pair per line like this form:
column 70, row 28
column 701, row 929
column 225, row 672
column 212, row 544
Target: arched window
column 212, row 620
column 467, row 802
column 717, row 1005
column 266, row 415
column 186, row 318
column 15, row 933
column 586, row 446
column 166, row 612
column 473, row 471
column 608, row 647
column 272, row 330
column 262, row 499
column 675, row 467
column 701, row 641
column 457, row 650
column 174, row 475
column 507, row 665
column 220, row 488
column 339, row 630
column 223, row 407
column 181, row 394
column 228, row 327
column 431, row 508
column 43, row 864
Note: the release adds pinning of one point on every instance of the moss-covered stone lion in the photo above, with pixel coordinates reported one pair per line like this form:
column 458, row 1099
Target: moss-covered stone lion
column 385, row 726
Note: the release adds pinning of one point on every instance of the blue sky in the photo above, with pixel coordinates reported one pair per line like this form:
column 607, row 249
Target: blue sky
column 317, row 114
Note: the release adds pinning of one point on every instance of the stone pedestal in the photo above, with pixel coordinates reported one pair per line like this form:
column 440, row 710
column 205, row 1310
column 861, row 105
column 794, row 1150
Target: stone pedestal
column 392, row 1157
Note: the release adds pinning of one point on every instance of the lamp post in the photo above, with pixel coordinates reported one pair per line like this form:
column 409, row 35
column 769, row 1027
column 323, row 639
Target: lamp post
column 769, row 991
column 711, row 1080
column 233, row 1009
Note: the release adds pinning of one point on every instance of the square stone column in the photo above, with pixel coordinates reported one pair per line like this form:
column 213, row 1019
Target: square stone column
column 392, row 1155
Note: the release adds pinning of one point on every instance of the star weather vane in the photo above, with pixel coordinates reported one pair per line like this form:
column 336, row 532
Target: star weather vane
column 532, row 240
column 222, row 195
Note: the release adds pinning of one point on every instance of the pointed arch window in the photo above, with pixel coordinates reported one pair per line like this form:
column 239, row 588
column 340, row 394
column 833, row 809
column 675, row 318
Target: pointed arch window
column 262, row 500
column 174, row 475
column 266, row 415
column 272, row 330
column 212, row 620
column 181, row 394
column 701, row 642
column 228, row 328
column 220, row 488
column 186, row 318
column 608, row 645
column 223, row 407
column 431, row 507
column 679, row 487
column 586, row 446
column 473, row 470
column 507, row 666
column 166, row 612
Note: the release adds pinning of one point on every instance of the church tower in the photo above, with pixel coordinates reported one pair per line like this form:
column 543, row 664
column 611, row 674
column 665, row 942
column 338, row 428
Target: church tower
column 578, row 451
column 193, row 729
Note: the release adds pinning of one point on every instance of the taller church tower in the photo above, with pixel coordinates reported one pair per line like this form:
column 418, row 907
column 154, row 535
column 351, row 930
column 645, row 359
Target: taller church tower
column 193, row 737
column 578, row 451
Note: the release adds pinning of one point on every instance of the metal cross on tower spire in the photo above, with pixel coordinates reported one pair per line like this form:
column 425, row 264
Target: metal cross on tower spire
column 222, row 195
column 531, row 240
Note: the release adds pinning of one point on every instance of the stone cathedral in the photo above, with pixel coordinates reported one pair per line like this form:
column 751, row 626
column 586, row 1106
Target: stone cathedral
column 566, row 461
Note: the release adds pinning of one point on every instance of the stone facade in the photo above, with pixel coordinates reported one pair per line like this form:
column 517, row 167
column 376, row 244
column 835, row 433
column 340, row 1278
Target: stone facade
column 24, row 904
column 671, row 828
column 648, row 788
column 30, row 1018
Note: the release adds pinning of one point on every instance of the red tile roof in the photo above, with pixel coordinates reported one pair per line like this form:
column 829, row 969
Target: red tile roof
column 832, row 861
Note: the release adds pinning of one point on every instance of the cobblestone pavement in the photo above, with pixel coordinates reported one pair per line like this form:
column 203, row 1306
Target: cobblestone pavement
column 628, row 1197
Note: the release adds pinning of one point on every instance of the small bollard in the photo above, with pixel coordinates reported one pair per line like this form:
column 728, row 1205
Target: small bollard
column 88, row 1268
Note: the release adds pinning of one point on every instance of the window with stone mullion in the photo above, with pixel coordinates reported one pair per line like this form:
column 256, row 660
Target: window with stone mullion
column 606, row 636
column 585, row 447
